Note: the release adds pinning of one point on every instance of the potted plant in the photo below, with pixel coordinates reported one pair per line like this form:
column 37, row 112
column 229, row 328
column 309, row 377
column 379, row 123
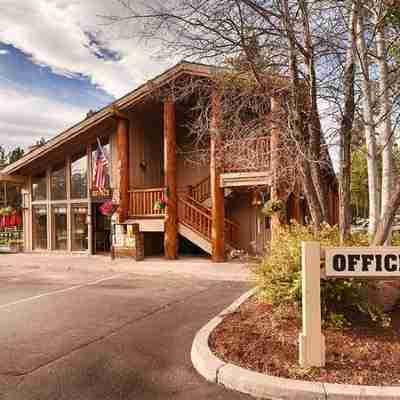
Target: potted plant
column 160, row 205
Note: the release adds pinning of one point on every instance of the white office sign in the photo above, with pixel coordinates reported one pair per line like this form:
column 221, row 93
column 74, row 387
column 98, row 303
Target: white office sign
column 362, row 262
column 340, row 262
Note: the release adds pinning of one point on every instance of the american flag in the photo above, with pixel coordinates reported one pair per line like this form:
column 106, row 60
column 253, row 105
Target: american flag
column 101, row 164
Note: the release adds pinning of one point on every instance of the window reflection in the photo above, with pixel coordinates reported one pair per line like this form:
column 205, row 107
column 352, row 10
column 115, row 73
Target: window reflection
column 79, row 228
column 39, row 187
column 58, row 187
column 79, row 177
column 39, row 227
column 60, row 232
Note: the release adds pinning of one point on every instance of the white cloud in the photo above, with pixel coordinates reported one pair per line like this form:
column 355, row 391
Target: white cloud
column 25, row 118
column 53, row 33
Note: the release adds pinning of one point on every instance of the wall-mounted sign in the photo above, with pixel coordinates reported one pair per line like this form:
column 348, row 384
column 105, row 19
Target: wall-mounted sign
column 362, row 262
column 105, row 193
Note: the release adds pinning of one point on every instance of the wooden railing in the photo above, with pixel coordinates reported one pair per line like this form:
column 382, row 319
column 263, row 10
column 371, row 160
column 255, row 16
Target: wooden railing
column 247, row 155
column 190, row 212
column 202, row 190
column 195, row 217
column 142, row 202
column 198, row 221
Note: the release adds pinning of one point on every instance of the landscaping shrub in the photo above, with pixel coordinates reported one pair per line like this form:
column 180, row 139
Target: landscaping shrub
column 343, row 301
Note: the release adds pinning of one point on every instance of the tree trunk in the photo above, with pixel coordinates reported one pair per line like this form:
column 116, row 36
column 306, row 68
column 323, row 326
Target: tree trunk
column 385, row 121
column 297, row 121
column 386, row 221
column 373, row 194
column 314, row 122
column 346, row 132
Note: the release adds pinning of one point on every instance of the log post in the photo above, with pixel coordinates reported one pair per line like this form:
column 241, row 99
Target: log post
column 275, row 158
column 171, row 214
column 123, row 167
column 217, row 193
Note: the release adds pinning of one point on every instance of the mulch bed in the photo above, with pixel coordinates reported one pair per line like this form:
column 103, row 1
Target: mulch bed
column 254, row 338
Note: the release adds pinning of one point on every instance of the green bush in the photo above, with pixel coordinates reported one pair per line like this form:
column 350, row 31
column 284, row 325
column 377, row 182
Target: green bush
column 279, row 278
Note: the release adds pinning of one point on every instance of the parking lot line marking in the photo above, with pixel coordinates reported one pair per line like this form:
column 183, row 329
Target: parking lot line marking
column 13, row 303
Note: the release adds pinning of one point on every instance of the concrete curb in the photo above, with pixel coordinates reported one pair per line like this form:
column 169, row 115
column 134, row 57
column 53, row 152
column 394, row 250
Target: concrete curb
column 270, row 387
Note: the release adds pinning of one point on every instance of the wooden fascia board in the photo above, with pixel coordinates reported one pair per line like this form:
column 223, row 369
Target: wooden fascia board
column 236, row 179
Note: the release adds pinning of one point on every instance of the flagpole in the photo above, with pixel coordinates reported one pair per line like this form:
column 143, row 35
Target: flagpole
column 101, row 149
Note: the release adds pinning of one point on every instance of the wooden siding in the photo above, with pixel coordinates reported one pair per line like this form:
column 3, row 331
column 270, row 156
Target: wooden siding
column 146, row 147
column 239, row 209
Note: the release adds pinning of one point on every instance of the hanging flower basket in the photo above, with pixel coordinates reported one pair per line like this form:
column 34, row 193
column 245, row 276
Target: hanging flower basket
column 272, row 207
column 159, row 205
column 107, row 208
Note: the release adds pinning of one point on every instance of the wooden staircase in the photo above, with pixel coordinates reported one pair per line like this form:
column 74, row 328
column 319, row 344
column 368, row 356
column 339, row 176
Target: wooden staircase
column 194, row 219
column 195, row 224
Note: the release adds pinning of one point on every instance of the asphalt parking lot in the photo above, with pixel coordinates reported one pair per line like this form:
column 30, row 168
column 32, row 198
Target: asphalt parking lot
column 83, row 328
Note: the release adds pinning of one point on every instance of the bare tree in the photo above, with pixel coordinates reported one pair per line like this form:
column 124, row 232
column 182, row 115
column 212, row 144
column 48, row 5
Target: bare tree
column 307, row 43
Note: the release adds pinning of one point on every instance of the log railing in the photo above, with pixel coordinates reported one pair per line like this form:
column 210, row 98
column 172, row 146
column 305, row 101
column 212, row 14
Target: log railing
column 202, row 190
column 190, row 212
column 142, row 202
column 194, row 217
column 198, row 218
column 247, row 155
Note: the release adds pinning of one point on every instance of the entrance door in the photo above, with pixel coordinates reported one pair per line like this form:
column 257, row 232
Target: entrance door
column 101, row 230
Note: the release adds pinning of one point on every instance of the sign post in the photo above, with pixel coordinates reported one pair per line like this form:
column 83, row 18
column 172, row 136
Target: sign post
column 311, row 339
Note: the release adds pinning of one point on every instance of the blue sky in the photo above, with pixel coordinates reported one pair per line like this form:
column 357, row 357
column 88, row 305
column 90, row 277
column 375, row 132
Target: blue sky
column 57, row 61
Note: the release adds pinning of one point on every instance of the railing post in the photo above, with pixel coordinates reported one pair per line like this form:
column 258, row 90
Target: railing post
column 217, row 193
column 171, row 217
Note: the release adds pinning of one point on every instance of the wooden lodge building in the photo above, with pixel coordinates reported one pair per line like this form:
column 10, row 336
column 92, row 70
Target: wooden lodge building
column 208, row 210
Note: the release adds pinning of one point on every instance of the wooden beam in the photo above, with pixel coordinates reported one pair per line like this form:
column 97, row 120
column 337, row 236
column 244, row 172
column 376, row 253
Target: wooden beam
column 13, row 178
column 171, row 214
column 249, row 179
column 123, row 164
column 217, row 192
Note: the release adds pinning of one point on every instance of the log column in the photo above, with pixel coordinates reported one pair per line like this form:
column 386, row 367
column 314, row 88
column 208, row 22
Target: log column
column 217, row 193
column 276, row 115
column 123, row 167
column 171, row 214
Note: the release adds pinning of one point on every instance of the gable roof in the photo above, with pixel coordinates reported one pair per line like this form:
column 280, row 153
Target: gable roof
column 123, row 103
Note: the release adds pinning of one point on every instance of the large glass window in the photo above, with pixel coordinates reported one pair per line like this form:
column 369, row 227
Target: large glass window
column 14, row 198
column 60, row 231
column 39, row 187
column 79, row 177
column 39, row 227
column 58, row 186
column 79, row 228
column 2, row 194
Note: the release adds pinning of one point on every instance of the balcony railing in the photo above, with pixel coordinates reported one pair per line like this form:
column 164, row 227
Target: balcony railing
column 247, row 155
column 142, row 202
